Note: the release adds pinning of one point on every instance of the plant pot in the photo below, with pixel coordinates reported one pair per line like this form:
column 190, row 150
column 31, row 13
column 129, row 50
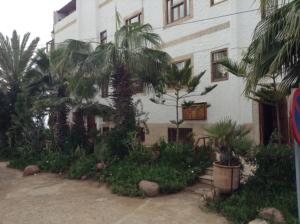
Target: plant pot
column 226, row 178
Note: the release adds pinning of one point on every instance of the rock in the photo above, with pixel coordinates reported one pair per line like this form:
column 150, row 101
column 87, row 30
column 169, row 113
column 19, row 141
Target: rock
column 272, row 214
column 31, row 170
column 84, row 178
column 100, row 166
column 151, row 189
column 258, row 221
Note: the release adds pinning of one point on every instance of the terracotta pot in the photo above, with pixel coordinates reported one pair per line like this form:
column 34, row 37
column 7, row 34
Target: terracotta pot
column 226, row 178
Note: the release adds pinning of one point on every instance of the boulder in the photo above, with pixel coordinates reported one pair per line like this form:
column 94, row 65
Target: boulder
column 100, row 166
column 272, row 214
column 83, row 178
column 31, row 170
column 258, row 221
column 151, row 189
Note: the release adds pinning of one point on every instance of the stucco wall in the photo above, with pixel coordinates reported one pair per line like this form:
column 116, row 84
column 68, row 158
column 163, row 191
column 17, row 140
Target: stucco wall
column 206, row 30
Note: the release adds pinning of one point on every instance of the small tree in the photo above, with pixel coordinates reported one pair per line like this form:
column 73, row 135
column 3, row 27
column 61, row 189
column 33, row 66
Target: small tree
column 184, row 85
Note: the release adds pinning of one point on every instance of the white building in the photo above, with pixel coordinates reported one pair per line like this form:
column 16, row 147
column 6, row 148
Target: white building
column 198, row 30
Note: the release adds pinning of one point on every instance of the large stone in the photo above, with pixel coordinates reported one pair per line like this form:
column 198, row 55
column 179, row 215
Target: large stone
column 272, row 214
column 31, row 170
column 100, row 166
column 151, row 189
column 258, row 221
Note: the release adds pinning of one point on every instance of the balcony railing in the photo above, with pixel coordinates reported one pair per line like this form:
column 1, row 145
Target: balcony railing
column 65, row 11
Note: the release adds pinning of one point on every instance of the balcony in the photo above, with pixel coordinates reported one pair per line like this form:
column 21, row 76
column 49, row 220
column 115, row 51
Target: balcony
column 65, row 11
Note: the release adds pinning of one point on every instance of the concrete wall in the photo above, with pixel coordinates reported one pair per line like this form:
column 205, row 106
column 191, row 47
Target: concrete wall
column 206, row 29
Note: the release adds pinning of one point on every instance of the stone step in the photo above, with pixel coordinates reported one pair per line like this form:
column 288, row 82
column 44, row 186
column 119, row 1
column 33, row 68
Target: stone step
column 209, row 171
column 206, row 179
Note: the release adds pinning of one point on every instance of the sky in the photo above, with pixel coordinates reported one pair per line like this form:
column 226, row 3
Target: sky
column 34, row 16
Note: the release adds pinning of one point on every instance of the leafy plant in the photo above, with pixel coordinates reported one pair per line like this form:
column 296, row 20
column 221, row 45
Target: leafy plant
column 55, row 162
column 273, row 185
column 184, row 84
column 84, row 166
column 230, row 140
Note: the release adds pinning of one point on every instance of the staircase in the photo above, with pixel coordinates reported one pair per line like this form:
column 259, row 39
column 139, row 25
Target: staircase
column 207, row 178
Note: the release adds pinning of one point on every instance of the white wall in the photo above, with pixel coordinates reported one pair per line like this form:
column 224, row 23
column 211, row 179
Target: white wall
column 226, row 100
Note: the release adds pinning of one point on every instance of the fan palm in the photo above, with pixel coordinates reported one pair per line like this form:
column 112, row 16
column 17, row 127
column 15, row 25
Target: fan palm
column 134, row 55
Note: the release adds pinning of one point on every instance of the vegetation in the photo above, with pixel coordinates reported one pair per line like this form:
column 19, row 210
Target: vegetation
column 184, row 84
column 272, row 185
column 173, row 170
column 230, row 140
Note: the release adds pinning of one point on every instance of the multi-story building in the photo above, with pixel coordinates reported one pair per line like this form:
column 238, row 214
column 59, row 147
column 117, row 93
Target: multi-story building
column 202, row 31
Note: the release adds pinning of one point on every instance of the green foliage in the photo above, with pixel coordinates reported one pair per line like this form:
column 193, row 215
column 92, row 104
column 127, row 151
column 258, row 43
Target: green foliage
column 230, row 139
column 117, row 143
column 273, row 185
column 173, row 170
column 84, row 166
column 24, row 157
column 55, row 162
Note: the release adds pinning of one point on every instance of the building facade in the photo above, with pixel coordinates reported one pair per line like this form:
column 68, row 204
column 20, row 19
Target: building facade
column 202, row 31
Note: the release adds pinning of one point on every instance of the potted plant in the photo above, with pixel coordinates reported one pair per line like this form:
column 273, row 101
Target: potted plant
column 231, row 141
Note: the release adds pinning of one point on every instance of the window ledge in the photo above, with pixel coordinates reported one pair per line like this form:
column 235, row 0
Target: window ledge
column 178, row 22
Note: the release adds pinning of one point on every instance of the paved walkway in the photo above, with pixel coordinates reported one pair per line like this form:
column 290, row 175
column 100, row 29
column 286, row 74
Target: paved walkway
column 49, row 199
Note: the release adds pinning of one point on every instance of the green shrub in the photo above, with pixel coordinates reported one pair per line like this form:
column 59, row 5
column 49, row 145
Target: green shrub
column 273, row 185
column 116, row 143
column 276, row 166
column 175, row 169
column 24, row 157
column 84, row 166
column 55, row 162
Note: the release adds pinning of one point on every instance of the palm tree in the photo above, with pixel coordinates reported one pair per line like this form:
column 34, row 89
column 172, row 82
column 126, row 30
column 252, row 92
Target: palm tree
column 134, row 55
column 67, row 86
column 275, row 45
column 182, row 81
column 15, row 61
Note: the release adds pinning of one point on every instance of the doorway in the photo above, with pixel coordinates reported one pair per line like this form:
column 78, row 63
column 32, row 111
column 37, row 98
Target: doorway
column 268, row 122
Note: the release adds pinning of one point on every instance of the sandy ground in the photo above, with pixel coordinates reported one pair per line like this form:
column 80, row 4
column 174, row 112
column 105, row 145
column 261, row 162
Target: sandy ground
column 49, row 199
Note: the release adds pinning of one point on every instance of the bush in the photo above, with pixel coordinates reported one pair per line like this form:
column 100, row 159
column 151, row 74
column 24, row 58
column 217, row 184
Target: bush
column 55, row 162
column 173, row 171
column 24, row 157
column 276, row 166
column 116, row 143
column 273, row 185
column 84, row 166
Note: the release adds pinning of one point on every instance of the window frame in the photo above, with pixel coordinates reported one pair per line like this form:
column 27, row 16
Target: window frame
column 139, row 15
column 214, row 66
column 103, row 39
column 212, row 2
column 170, row 17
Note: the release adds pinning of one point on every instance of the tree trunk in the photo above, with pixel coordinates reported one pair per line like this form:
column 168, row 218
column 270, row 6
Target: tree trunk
column 278, row 122
column 177, row 117
column 122, row 99
column 61, row 128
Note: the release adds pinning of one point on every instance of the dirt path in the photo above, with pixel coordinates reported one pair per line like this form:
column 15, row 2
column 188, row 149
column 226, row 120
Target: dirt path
column 48, row 199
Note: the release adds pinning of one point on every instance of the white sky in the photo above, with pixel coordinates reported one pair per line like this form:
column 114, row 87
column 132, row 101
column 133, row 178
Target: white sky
column 34, row 16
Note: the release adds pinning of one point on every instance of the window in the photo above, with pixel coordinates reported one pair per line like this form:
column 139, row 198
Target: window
column 216, row 71
column 134, row 19
column 185, row 135
column 215, row 2
column 104, row 89
column 177, row 9
column 103, row 37
column 180, row 64
column 197, row 111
